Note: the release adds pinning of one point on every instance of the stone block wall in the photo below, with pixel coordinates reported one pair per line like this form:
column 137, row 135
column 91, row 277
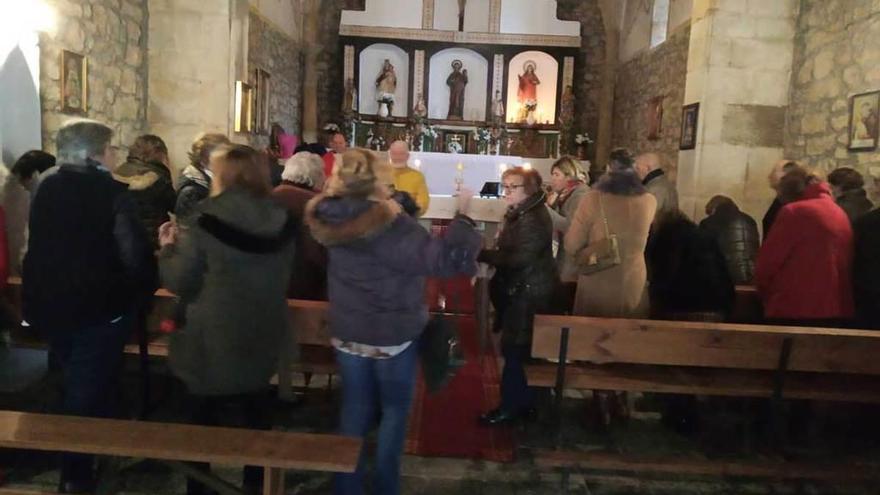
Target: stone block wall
column 655, row 73
column 272, row 50
column 589, row 64
column 836, row 56
column 112, row 35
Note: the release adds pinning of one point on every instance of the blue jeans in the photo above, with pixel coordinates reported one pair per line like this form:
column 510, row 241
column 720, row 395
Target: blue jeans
column 90, row 359
column 376, row 389
column 516, row 394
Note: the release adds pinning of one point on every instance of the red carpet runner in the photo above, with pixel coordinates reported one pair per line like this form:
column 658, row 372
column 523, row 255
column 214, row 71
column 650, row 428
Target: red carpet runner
column 444, row 424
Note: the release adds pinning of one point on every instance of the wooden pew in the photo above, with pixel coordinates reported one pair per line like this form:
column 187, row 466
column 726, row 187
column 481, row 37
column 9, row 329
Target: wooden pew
column 702, row 358
column 275, row 451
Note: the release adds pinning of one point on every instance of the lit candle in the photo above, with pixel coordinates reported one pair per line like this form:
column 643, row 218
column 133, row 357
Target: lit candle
column 459, row 176
column 527, row 166
column 417, row 164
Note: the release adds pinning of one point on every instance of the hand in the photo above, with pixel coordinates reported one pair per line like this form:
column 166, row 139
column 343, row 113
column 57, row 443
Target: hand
column 463, row 201
column 168, row 233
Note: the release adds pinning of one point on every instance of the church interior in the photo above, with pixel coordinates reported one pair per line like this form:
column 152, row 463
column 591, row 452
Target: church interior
column 465, row 96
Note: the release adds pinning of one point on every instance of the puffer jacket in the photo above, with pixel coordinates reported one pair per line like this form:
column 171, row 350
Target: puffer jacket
column 737, row 236
column 150, row 185
column 379, row 258
column 526, row 273
column 233, row 267
column 195, row 186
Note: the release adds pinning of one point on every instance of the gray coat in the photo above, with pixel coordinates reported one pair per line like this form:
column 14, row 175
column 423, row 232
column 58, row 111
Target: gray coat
column 664, row 190
column 561, row 212
column 233, row 266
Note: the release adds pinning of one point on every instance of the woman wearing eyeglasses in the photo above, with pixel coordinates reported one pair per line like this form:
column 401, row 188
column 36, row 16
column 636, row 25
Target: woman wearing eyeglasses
column 525, row 277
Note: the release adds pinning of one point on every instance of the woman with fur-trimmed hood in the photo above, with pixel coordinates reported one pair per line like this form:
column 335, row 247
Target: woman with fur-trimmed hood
column 148, row 178
column 619, row 197
column 378, row 260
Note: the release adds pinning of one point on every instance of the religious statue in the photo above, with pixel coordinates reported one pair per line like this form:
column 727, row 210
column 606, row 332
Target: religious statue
column 456, row 82
column 349, row 100
column 527, row 94
column 386, row 85
column 498, row 108
column 420, row 111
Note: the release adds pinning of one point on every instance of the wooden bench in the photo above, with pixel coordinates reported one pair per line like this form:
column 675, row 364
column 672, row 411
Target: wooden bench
column 702, row 358
column 275, row 451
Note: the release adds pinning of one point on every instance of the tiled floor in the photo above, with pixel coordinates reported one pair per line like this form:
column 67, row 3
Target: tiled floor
column 644, row 435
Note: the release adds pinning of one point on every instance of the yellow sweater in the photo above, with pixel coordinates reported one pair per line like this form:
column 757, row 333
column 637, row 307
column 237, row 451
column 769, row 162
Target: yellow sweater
column 413, row 182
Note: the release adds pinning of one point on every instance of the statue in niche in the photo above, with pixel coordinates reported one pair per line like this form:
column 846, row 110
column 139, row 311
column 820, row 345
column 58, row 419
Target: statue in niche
column 498, row 108
column 456, row 82
column 349, row 100
column 527, row 93
column 420, row 111
column 386, row 85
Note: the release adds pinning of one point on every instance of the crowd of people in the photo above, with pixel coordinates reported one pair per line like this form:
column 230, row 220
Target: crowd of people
column 244, row 230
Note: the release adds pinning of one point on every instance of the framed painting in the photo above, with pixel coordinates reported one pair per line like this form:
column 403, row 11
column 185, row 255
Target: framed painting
column 262, row 92
column 689, row 115
column 244, row 107
column 74, row 83
column 863, row 129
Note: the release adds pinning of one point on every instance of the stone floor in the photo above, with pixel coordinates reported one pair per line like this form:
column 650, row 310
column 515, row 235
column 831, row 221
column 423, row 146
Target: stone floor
column 844, row 433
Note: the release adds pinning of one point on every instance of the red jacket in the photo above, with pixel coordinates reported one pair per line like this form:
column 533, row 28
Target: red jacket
column 329, row 160
column 804, row 268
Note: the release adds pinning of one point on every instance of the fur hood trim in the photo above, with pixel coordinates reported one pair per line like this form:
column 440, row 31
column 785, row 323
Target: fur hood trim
column 335, row 221
column 621, row 183
column 138, row 182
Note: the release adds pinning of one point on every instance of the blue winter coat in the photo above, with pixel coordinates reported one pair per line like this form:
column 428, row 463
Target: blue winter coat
column 378, row 260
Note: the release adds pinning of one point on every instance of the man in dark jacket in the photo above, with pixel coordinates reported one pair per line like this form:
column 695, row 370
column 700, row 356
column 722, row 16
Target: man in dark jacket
column 866, row 270
column 148, row 179
column 848, row 188
column 688, row 273
column 88, row 266
column 736, row 234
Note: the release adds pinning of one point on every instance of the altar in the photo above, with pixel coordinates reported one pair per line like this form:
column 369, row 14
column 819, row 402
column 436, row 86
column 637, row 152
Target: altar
column 445, row 171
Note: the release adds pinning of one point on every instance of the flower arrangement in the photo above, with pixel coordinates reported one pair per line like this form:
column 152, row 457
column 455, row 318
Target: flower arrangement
column 386, row 98
column 530, row 105
column 482, row 135
column 331, row 127
column 429, row 131
column 582, row 139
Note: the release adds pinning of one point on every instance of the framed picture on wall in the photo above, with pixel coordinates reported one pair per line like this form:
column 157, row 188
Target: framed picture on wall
column 244, row 107
column 262, row 93
column 689, row 115
column 863, row 123
column 74, row 83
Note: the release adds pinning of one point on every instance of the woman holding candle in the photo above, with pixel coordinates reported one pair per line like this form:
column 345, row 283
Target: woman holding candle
column 525, row 278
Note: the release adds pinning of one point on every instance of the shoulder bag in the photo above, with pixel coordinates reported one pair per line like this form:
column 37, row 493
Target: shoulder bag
column 600, row 255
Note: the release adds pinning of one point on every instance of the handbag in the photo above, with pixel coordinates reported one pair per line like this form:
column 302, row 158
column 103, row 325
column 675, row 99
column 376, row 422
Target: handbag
column 600, row 255
column 439, row 350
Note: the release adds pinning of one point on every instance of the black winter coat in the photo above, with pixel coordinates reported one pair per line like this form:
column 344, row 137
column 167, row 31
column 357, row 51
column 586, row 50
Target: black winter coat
column 150, row 185
column 855, row 203
column 195, row 186
column 866, row 270
column 737, row 236
column 526, row 273
column 688, row 272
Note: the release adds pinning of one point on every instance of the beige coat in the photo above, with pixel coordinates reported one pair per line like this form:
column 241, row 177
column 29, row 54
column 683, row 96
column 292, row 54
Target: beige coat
column 620, row 291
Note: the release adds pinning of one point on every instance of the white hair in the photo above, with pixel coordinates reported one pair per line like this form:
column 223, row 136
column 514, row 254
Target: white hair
column 304, row 168
column 80, row 139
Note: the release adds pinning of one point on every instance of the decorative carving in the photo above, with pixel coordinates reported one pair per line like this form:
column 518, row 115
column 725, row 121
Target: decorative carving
column 427, row 14
column 455, row 36
column 494, row 16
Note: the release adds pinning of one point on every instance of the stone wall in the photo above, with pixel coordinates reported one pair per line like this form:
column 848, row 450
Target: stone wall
column 328, row 62
column 836, row 56
column 589, row 64
column 655, row 73
column 112, row 35
column 274, row 51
